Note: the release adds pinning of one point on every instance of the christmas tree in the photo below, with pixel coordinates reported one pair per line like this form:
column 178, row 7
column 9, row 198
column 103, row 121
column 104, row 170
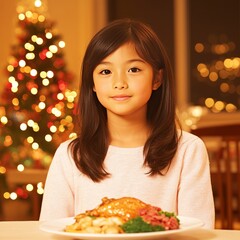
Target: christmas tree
column 36, row 106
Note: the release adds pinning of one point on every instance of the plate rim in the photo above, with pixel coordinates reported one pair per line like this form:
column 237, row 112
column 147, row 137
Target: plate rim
column 44, row 226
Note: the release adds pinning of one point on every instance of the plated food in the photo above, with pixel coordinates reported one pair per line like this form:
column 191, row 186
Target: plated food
column 123, row 215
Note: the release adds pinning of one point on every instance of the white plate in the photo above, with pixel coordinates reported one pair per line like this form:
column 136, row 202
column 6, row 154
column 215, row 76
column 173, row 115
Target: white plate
column 57, row 227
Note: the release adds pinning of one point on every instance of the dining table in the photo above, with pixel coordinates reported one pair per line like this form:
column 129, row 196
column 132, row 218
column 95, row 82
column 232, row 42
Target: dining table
column 24, row 230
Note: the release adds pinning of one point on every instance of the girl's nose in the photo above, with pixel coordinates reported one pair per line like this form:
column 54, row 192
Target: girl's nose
column 120, row 83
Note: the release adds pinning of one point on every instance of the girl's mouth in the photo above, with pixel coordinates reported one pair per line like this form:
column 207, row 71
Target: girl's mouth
column 121, row 97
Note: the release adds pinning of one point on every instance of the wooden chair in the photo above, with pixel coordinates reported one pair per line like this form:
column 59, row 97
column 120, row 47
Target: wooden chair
column 225, row 171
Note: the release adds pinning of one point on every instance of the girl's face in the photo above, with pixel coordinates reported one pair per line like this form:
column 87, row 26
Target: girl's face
column 124, row 82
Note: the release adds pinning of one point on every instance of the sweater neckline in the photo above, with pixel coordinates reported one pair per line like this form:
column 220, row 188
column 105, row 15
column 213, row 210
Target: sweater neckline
column 125, row 149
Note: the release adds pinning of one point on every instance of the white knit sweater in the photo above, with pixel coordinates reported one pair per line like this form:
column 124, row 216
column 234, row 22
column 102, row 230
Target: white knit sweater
column 185, row 189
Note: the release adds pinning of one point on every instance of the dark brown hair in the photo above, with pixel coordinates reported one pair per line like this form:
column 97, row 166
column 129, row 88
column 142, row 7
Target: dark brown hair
column 90, row 147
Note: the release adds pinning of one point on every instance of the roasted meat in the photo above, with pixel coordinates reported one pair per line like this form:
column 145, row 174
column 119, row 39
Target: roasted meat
column 125, row 208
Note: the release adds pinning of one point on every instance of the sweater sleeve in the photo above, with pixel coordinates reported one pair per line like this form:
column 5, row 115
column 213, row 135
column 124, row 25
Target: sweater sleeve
column 58, row 198
column 195, row 196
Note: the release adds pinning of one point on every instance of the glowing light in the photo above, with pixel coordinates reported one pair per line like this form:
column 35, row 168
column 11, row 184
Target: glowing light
column 219, row 105
column 60, row 96
column 29, row 187
column 34, row 38
column 61, row 44
column 70, row 95
column 48, row 138
column 72, row 135
column 220, row 48
column 6, row 195
column 29, row 46
column 48, row 35
column 204, row 72
column 70, row 105
column 27, row 69
column 8, row 141
column 20, row 167
column 43, row 74
column 21, row 16
column 30, row 56
column 61, row 128
column 13, row 196
column 45, row 82
column 4, row 120
column 41, row 105
column 30, row 139
column 53, row 48
column 2, row 170
column 35, row 146
column 23, row 126
column 69, row 118
column 224, row 87
column 41, row 18
column 15, row 101
column 49, row 54
column 38, row 3
column 15, row 84
column 30, row 123
column 11, row 79
column 56, row 112
column 53, row 129
column 236, row 63
column 22, row 63
column 39, row 41
column 35, row 127
column 34, row 91
column 10, row 68
column 14, row 89
column 42, row 98
column 28, row 14
column 209, row 102
column 199, row 47
column 33, row 72
column 228, row 63
column 40, row 191
column 50, row 74
column 213, row 76
column 230, row 107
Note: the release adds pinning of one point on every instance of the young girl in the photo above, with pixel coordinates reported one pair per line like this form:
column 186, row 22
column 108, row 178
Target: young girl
column 128, row 144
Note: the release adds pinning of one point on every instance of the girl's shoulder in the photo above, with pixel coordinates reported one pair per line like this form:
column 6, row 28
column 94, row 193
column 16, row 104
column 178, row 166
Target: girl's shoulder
column 189, row 138
column 64, row 146
column 63, row 153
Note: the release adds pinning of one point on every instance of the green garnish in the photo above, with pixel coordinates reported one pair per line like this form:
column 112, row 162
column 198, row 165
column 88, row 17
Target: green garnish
column 137, row 225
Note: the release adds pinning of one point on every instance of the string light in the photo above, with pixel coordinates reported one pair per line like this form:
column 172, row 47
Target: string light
column 220, row 72
column 20, row 167
column 38, row 3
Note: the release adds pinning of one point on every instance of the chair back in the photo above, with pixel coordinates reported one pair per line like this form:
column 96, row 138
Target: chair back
column 223, row 144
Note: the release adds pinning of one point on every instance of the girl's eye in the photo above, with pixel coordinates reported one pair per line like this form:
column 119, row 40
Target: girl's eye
column 134, row 70
column 105, row 72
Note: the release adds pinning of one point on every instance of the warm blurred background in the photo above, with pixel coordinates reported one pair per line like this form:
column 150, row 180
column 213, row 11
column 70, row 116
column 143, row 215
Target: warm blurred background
column 42, row 45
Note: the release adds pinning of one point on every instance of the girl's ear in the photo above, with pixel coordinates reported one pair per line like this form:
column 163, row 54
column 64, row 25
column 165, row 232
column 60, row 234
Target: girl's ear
column 157, row 81
column 94, row 89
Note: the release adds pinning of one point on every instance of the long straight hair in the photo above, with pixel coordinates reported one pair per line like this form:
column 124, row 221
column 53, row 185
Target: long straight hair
column 89, row 149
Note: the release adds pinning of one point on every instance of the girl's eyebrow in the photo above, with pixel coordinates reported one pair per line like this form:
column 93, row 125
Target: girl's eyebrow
column 128, row 61
column 136, row 60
